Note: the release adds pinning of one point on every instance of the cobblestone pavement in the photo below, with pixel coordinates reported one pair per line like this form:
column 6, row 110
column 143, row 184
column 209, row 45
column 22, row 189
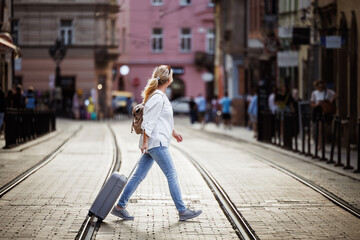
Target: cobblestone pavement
column 53, row 202
column 275, row 205
column 17, row 160
column 154, row 211
column 344, row 184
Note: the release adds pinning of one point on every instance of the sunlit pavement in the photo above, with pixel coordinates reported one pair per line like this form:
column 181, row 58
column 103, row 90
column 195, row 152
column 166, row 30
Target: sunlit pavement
column 53, row 202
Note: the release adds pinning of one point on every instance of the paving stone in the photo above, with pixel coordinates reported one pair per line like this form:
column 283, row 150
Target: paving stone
column 151, row 204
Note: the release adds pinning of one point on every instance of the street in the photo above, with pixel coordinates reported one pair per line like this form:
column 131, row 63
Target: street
column 53, row 202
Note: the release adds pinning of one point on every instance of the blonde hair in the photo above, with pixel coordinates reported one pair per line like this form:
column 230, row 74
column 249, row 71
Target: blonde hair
column 160, row 76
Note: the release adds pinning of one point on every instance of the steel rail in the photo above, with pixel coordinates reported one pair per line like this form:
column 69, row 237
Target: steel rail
column 17, row 180
column 240, row 225
column 327, row 194
column 91, row 223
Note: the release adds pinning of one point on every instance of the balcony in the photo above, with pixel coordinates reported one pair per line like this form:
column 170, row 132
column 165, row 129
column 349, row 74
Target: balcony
column 203, row 59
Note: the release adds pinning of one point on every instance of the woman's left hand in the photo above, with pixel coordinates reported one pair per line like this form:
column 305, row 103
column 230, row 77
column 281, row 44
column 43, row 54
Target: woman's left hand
column 177, row 136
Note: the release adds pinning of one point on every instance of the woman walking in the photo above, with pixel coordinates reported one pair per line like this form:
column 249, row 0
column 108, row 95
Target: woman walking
column 158, row 127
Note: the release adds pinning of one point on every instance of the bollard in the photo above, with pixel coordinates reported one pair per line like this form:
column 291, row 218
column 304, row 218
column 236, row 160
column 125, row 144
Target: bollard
column 339, row 164
column 358, row 148
column 295, row 131
column 309, row 136
column 333, row 142
column 303, row 140
column 323, row 130
column 287, row 134
column 316, row 137
column 347, row 165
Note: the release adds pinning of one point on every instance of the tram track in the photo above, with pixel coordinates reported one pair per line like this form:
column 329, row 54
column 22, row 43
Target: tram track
column 91, row 223
column 238, row 222
column 324, row 192
column 20, row 178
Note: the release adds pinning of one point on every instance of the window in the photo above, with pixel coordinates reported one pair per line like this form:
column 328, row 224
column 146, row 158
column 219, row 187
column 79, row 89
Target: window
column 113, row 31
column 185, row 2
column 157, row 2
column 211, row 3
column 210, row 41
column 157, row 40
column 16, row 32
column 66, row 31
column 123, row 37
column 185, row 40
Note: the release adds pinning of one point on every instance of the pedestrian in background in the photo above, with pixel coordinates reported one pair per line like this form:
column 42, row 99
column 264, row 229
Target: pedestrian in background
column 30, row 99
column 209, row 117
column 296, row 100
column 253, row 111
column 226, row 114
column 2, row 108
column 9, row 99
column 216, row 108
column 271, row 101
column 19, row 97
column 193, row 110
column 201, row 109
column 322, row 102
column 158, row 127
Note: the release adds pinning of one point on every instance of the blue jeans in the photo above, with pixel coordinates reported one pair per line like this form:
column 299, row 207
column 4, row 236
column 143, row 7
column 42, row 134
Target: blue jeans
column 162, row 157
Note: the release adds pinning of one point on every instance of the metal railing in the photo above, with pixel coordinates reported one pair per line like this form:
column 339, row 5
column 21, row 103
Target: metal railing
column 22, row 125
column 284, row 131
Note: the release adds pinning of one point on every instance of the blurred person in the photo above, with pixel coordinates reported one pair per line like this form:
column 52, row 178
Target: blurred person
column 30, row 99
column 76, row 106
column 209, row 117
column 320, row 97
column 158, row 128
column 253, row 111
column 226, row 114
column 90, row 109
column 2, row 107
column 322, row 102
column 271, row 101
column 19, row 97
column 285, row 104
column 201, row 108
column 296, row 100
column 9, row 99
column 129, row 102
column 216, row 108
column 193, row 110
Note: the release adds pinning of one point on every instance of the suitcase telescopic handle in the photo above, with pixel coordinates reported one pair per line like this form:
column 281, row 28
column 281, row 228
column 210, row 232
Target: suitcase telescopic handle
column 137, row 163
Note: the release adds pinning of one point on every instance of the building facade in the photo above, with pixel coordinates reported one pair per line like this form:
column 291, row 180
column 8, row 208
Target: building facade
column 175, row 33
column 88, row 30
column 8, row 48
column 231, row 42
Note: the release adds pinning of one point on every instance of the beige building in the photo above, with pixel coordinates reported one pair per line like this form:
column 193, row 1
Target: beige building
column 88, row 29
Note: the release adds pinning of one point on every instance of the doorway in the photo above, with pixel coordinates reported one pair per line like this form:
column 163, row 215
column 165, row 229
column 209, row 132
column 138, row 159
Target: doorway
column 177, row 88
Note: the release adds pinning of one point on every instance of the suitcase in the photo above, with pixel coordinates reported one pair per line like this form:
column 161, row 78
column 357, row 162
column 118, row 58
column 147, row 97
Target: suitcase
column 108, row 194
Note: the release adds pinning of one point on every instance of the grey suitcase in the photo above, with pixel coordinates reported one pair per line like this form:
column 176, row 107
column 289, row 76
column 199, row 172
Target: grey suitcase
column 108, row 195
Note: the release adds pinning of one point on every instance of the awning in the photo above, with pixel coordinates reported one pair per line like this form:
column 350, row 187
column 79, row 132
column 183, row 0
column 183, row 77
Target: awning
column 6, row 44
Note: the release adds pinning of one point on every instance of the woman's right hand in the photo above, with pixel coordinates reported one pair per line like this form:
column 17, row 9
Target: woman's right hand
column 144, row 147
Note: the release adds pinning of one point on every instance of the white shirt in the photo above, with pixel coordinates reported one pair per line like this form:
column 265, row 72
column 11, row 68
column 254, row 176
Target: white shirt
column 158, row 120
column 317, row 96
column 271, row 102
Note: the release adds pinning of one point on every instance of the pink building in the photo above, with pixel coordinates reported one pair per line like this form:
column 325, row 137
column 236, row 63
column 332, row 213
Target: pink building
column 178, row 33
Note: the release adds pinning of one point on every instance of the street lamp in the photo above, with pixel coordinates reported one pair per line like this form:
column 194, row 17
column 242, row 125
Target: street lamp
column 57, row 52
